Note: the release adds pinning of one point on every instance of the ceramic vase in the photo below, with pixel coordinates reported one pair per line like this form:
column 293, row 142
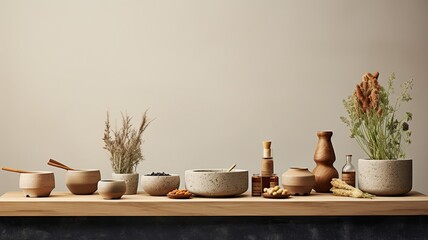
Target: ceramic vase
column 385, row 177
column 298, row 181
column 37, row 184
column 324, row 157
column 82, row 182
column 111, row 188
column 131, row 181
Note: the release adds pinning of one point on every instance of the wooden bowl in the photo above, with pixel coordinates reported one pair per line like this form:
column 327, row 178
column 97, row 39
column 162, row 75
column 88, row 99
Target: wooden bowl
column 279, row 196
column 37, row 184
column 179, row 196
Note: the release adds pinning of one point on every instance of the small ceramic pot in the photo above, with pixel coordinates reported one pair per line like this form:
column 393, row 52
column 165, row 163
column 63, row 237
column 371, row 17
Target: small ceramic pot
column 111, row 188
column 298, row 181
column 216, row 182
column 131, row 181
column 82, row 182
column 385, row 177
column 160, row 185
column 37, row 184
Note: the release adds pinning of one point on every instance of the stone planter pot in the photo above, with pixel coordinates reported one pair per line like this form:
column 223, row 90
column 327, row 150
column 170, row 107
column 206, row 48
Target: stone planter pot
column 131, row 181
column 385, row 177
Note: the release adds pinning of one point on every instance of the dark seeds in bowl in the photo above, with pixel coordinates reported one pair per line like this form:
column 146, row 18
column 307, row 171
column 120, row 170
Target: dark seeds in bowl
column 158, row 174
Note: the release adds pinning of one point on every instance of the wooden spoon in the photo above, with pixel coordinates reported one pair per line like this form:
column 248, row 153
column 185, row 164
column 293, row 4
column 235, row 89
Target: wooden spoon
column 57, row 164
column 14, row 170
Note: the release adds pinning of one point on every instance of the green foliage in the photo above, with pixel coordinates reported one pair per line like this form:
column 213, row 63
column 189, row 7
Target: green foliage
column 378, row 130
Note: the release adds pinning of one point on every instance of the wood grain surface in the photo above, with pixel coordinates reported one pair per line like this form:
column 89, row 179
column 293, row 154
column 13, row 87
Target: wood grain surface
column 66, row 204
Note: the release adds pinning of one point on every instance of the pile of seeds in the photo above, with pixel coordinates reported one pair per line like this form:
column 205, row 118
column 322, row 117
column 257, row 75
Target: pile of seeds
column 158, row 174
column 275, row 191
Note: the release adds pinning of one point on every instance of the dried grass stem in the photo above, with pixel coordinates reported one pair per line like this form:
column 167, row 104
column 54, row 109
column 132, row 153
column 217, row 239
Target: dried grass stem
column 124, row 145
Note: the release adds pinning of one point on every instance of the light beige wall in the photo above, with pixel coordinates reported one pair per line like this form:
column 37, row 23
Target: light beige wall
column 218, row 76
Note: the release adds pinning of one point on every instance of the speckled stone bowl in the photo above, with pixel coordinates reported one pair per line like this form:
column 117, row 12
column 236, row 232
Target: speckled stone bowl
column 216, row 182
column 385, row 177
column 160, row 185
column 37, row 184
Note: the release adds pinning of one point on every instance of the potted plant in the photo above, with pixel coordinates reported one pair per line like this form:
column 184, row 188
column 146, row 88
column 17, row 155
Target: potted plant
column 124, row 148
column 374, row 123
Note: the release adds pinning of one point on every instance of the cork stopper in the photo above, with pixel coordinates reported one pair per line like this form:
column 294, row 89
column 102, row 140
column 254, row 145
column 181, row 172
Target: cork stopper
column 267, row 151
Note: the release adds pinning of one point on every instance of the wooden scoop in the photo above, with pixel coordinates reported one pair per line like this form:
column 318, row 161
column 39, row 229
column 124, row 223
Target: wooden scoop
column 57, row 164
column 14, row 170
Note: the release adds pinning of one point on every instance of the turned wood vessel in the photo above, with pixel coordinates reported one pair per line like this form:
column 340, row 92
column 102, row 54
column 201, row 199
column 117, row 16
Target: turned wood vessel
column 324, row 157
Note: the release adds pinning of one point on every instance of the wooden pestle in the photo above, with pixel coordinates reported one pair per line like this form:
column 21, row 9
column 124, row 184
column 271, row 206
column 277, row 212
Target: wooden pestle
column 14, row 170
column 57, row 164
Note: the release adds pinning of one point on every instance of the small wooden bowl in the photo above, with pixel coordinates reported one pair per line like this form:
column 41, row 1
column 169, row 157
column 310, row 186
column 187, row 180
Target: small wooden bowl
column 279, row 196
column 179, row 196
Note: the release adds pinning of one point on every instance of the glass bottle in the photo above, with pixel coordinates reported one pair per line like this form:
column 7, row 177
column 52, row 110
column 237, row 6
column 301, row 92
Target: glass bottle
column 267, row 160
column 274, row 180
column 267, row 165
column 256, row 185
column 265, row 182
column 348, row 171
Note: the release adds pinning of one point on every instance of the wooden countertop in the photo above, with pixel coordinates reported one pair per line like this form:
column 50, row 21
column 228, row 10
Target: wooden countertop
column 66, row 204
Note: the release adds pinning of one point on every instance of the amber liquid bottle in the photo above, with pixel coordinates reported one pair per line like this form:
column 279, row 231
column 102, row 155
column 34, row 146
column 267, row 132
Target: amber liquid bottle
column 274, row 181
column 348, row 171
column 256, row 185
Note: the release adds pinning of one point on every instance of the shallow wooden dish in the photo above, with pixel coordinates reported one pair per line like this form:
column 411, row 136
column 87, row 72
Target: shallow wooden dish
column 267, row 195
column 179, row 196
